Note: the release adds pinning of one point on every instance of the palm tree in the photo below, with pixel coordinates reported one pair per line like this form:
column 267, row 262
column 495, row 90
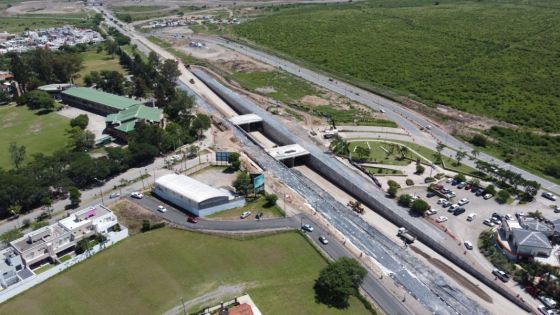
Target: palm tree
column 475, row 153
column 460, row 156
column 404, row 151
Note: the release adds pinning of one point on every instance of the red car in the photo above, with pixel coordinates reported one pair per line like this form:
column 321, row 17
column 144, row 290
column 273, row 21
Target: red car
column 192, row 219
column 438, row 187
column 468, row 187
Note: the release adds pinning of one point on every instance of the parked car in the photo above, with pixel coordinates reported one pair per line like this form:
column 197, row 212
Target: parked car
column 459, row 210
column 323, row 240
column 468, row 245
column 548, row 302
column 430, row 194
column 471, row 217
column 549, row 196
column 245, row 214
column 451, row 194
column 496, row 220
column 461, row 185
column 488, row 196
column 455, row 182
column 463, row 201
column 488, row 222
column 137, row 195
column 508, row 217
column 446, row 204
column 545, row 311
column 453, row 207
column 501, row 275
column 497, row 215
column 192, row 219
column 449, row 180
column 161, row 208
column 307, row 227
column 556, row 209
column 259, row 215
column 468, row 186
column 438, row 186
column 479, row 192
column 414, row 196
column 441, row 201
column 431, row 211
column 445, row 190
column 114, row 195
column 441, row 219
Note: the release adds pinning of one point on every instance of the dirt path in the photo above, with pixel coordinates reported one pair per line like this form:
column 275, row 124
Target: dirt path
column 454, row 274
column 220, row 292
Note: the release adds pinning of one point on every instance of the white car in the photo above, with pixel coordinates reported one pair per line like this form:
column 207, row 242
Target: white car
column 468, row 245
column 451, row 194
column 488, row 222
column 431, row 211
column 441, row 201
column 509, row 217
column 414, row 196
column 463, row 201
column 245, row 214
column 545, row 311
column 307, row 227
column 471, row 217
column 453, row 207
column 323, row 240
column 441, row 219
column 449, row 180
column 487, row 196
column 162, row 209
column 137, row 195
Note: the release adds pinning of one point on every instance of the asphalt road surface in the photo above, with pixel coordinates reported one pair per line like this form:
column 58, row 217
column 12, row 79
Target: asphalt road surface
column 407, row 119
column 372, row 286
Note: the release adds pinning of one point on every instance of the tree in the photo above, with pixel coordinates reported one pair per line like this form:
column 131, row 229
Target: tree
column 339, row 146
column 111, row 47
column 74, row 195
column 200, row 123
column 459, row 156
column 460, row 177
column 80, row 121
column 5, row 97
column 404, row 151
column 479, row 140
column 420, row 169
column 490, row 190
column 17, row 154
column 112, row 82
column 180, row 108
column 169, row 70
column 362, row 153
column 14, row 210
column 475, row 153
column 234, row 161
column 140, row 87
column 270, row 200
column 392, row 191
column 338, row 281
column 405, row 200
column 81, row 140
column 20, row 69
column 142, row 153
column 440, row 146
column 419, row 207
column 502, row 196
column 242, row 184
column 37, row 100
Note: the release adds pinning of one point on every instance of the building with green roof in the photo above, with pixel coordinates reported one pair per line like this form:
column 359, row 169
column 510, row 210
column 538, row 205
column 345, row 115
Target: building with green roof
column 123, row 114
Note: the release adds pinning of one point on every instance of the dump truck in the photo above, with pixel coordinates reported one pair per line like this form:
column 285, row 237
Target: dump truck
column 406, row 236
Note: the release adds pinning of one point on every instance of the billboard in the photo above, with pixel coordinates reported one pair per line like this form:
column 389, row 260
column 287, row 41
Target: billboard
column 258, row 181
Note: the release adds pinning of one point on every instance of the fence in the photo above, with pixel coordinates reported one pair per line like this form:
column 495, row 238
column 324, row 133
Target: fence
column 34, row 280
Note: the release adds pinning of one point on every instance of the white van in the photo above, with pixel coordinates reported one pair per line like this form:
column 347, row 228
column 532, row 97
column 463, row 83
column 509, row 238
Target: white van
column 471, row 217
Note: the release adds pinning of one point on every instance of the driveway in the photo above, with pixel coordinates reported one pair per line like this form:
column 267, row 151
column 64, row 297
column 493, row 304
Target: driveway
column 96, row 122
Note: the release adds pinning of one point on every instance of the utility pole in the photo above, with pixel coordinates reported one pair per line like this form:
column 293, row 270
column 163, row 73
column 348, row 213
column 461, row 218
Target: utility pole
column 142, row 178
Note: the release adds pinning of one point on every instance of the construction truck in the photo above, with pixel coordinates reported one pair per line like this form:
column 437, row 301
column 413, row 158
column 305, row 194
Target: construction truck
column 356, row 206
column 406, row 236
column 332, row 131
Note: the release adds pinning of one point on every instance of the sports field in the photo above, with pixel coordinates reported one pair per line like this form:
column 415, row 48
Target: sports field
column 38, row 133
column 494, row 58
column 149, row 274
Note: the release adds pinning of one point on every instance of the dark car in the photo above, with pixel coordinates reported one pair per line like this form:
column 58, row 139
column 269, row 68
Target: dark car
column 459, row 211
column 497, row 215
column 192, row 219
column 468, row 186
column 430, row 194
column 479, row 192
column 474, row 189
column 455, row 182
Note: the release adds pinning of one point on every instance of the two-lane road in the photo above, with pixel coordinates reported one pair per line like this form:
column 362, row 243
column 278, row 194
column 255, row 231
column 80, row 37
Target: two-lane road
column 372, row 285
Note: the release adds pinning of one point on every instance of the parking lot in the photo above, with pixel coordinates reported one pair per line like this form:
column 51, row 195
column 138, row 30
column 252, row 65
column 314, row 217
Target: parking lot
column 465, row 230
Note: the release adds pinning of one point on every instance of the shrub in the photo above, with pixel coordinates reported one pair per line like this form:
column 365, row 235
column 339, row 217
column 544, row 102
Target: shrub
column 490, row 190
column 420, row 169
column 145, row 226
column 419, row 206
column 80, row 121
column 502, row 196
column 409, row 182
column 392, row 191
column 479, row 140
column 270, row 200
column 405, row 200
column 393, row 183
column 460, row 177
column 429, row 180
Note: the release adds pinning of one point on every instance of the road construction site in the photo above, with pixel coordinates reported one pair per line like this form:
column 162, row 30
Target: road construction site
column 435, row 292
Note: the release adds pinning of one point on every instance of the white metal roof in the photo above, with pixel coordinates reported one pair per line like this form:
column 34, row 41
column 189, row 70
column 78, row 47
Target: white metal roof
column 189, row 187
column 245, row 119
column 287, row 151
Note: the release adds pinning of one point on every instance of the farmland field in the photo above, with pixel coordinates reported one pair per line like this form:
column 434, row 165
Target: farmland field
column 493, row 58
column 153, row 271
column 38, row 133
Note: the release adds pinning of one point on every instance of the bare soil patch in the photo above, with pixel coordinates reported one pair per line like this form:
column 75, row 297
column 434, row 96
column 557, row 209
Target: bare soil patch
column 131, row 215
column 45, row 7
column 314, row 100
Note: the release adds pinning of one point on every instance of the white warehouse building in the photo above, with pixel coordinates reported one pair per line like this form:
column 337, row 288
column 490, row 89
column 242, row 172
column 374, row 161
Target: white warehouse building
column 195, row 197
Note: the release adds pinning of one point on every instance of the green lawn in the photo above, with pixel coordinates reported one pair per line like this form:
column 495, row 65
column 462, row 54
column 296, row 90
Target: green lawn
column 38, row 133
column 43, row 268
column 150, row 273
column 378, row 153
column 16, row 24
column 494, row 58
column 94, row 61
column 254, row 207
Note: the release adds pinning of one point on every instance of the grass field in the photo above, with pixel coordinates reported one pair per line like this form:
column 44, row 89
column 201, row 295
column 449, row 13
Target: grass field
column 493, row 58
column 38, row 133
column 255, row 207
column 378, row 153
column 149, row 274
column 140, row 13
column 94, row 61
column 16, row 24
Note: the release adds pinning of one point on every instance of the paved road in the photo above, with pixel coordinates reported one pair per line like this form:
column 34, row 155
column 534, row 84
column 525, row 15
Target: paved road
column 407, row 119
column 372, row 286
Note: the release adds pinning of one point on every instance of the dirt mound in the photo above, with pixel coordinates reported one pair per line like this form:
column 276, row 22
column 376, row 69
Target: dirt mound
column 314, row 100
